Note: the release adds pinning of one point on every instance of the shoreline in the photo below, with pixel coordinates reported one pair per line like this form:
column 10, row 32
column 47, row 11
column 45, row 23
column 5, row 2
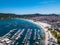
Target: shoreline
column 47, row 33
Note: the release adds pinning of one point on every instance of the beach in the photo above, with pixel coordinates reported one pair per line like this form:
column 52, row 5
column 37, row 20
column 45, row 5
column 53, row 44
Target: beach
column 48, row 34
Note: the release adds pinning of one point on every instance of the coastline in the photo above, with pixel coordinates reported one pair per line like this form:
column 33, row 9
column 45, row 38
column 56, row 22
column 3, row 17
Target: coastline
column 47, row 33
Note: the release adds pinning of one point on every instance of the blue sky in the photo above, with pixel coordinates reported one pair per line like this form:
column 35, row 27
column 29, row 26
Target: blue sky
column 30, row 6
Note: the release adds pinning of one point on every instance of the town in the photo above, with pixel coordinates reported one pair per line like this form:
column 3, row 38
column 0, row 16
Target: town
column 25, row 36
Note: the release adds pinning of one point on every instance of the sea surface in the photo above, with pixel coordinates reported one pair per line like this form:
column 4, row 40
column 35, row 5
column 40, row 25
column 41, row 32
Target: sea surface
column 10, row 24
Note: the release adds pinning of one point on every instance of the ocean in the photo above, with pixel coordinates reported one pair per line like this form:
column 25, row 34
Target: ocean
column 10, row 24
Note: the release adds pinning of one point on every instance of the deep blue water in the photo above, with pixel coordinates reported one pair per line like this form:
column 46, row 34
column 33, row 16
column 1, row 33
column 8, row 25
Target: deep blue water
column 7, row 25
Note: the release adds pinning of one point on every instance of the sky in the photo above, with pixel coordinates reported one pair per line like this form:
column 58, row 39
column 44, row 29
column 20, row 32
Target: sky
column 30, row 6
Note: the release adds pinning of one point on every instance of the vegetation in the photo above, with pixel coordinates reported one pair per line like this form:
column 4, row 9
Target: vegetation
column 28, row 16
column 49, row 28
column 58, row 39
column 55, row 34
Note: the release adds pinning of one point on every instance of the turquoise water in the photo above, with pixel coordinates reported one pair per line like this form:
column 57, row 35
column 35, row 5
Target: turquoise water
column 7, row 25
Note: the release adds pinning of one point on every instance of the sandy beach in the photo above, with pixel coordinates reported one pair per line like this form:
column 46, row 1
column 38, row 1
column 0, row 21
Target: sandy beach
column 48, row 35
